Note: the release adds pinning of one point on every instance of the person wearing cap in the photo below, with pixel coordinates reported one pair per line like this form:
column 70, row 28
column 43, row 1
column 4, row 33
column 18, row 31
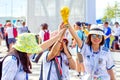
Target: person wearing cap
column 81, row 35
column 97, row 59
column 58, row 55
column 17, row 65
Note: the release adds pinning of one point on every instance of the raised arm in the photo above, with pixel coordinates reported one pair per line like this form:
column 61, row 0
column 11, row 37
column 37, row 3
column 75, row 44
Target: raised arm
column 56, row 47
column 54, row 51
column 75, row 36
column 72, row 64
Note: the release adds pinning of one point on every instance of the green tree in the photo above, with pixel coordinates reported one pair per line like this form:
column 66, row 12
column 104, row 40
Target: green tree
column 111, row 12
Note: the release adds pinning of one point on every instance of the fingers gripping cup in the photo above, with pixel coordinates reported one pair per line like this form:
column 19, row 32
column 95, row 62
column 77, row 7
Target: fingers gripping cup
column 65, row 14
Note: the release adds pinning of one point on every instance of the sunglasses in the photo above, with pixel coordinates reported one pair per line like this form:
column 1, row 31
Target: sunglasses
column 96, row 36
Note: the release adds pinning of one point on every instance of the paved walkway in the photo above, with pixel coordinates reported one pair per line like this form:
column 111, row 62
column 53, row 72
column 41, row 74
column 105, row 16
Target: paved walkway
column 36, row 67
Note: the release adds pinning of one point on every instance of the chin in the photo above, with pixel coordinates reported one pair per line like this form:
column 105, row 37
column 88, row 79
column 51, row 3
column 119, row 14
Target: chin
column 96, row 43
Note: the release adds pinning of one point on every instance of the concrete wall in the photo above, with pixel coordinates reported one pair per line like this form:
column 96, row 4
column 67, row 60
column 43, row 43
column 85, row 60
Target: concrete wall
column 91, row 11
column 40, row 11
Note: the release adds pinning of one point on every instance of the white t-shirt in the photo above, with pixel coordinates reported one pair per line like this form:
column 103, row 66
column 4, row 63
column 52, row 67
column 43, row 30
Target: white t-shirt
column 116, row 31
column 9, row 31
column 11, row 71
column 97, row 64
column 53, row 74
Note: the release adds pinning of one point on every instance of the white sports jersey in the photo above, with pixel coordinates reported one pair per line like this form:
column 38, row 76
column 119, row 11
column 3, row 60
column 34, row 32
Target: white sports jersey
column 97, row 63
column 53, row 74
column 9, row 31
column 11, row 71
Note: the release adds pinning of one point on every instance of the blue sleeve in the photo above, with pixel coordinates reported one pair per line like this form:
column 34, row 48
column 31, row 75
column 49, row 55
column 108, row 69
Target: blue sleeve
column 79, row 34
column 109, row 30
column 9, row 68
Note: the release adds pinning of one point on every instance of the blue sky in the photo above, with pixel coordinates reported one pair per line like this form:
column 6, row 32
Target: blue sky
column 18, row 8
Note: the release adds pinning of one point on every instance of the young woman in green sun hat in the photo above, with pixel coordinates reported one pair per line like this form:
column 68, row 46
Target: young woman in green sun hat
column 16, row 65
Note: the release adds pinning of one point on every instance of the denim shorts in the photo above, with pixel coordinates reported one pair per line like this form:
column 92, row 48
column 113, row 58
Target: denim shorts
column 11, row 40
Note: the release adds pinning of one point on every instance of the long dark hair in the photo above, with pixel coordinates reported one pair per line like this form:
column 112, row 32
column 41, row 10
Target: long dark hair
column 24, row 59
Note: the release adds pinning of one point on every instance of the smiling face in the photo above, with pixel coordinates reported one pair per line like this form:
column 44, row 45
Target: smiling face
column 96, row 39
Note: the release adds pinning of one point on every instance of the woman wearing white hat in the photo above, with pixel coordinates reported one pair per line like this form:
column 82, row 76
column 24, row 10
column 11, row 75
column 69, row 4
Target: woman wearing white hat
column 96, row 58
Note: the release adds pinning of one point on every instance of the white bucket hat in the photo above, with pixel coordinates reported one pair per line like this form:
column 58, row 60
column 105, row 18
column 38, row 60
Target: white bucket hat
column 95, row 29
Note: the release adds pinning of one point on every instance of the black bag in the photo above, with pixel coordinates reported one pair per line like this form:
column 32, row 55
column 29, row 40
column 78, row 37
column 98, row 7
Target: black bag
column 1, row 62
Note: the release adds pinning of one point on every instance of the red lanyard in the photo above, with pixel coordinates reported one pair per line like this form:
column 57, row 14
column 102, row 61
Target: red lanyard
column 58, row 64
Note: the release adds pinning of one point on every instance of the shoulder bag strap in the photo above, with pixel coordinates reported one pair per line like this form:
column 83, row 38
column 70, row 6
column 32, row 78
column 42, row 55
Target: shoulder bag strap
column 48, row 78
column 41, row 73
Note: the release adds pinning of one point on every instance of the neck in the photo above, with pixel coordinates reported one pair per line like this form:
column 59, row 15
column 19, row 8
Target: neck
column 95, row 48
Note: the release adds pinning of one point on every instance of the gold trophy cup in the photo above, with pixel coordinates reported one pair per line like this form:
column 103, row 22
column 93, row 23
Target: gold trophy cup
column 65, row 14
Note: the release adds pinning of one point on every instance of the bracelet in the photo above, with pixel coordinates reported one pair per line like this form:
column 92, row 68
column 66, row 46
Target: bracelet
column 69, row 57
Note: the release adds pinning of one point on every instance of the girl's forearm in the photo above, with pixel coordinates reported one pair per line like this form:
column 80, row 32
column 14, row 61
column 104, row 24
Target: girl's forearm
column 45, row 45
column 75, row 36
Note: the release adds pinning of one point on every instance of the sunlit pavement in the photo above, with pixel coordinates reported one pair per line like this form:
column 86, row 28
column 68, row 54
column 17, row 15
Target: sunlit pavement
column 36, row 66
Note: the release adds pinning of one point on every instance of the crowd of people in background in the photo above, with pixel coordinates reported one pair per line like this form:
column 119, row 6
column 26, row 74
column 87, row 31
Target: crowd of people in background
column 111, row 32
column 10, row 31
column 92, row 42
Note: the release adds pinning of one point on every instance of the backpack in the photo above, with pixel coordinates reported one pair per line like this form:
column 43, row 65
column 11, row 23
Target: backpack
column 15, row 33
column 1, row 62
column 46, row 35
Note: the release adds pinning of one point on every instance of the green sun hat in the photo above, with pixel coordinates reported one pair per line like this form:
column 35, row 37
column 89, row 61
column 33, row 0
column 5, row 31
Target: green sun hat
column 26, row 42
